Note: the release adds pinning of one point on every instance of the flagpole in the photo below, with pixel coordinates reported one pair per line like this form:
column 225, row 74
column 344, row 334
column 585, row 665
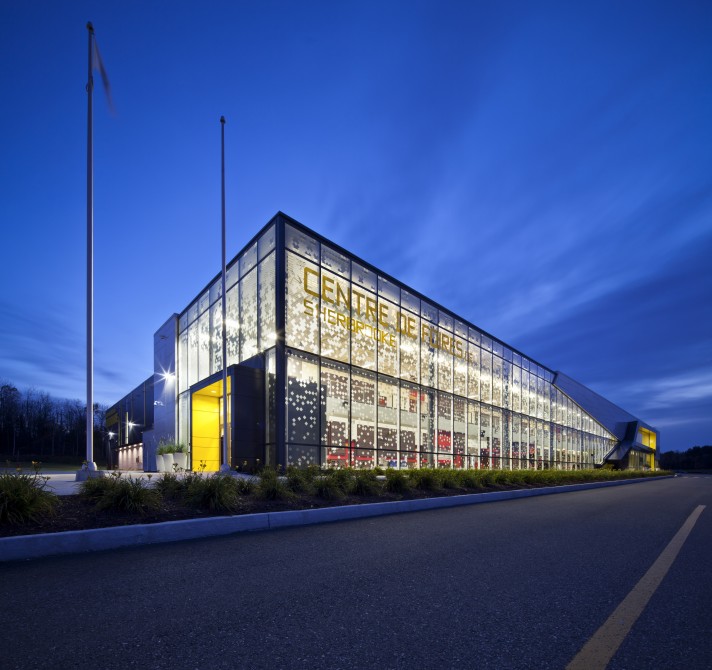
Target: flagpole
column 225, row 467
column 91, row 465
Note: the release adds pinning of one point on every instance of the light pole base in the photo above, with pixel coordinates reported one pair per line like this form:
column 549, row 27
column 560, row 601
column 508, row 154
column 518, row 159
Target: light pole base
column 90, row 472
column 225, row 468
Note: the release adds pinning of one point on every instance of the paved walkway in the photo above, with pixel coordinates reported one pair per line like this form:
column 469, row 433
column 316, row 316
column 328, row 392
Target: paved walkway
column 65, row 484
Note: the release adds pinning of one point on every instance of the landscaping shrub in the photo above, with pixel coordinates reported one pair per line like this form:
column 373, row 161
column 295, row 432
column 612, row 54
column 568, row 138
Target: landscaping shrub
column 94, row 488
column 365, row 483
column 271, row 487
column 169, row 486
column 299, row 481
column 343, row 478
column 470, row 479
column 327, row 487
column 129, row 495
column 450, row 478
column 396, row 481
column 24, row 498
column 218, row 492
column 426, row 479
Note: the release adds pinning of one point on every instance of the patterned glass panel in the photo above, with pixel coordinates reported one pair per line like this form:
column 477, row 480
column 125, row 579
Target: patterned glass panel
column 335, row 316
column 248, row 260
column 248, row 315
column 335, row 262
column 192, row 353
column 232, row 317
column 183, row 361
column 303, row 304
column 267, row 308
column 216, row 337
column 388, row 338
column 266, row 243
column 204, row 345
column 303, row 406
column 334, row 400
column 302, row 244
column 363, row 418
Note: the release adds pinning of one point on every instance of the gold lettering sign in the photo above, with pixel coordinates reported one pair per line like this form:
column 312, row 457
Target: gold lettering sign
column 371, row 319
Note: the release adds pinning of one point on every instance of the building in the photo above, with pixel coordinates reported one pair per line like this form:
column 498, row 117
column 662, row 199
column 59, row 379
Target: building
column 332, row 362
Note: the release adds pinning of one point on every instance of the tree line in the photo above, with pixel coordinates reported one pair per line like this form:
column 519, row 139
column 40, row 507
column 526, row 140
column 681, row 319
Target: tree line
column 695, row 458
column 36, row 426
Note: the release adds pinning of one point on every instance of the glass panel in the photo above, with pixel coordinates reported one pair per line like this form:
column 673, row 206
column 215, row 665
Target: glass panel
column 473, row 371
column 473, row 435
column 409, row 398
column 459, row 429
column 336, row 262
column 302, row 399
column 204, row 345
column 192, row 353
column 183, row 322
column 516, row 388
column 363, row 418
column 409, row 350
column 335, row 316
column 428, row 361
column 335, row 414
column 193, row 312
column 445, row 321
column 497, row 449
column 486, row 376
column 232, row 321
column 496, row 380
column 183, row 361
column 460, row 376
column 232, row 275
column 388, row 394
column 410, row 302
column 301, row 243
column 427, row 428
column 248, row 315
column 267, row 308
column 485, row 437
column 427, row 311
column 302, row 304
column 216, row 337
column 388, row 290
column 444, row 430
column 266, row 243
column 248, row 260
column 364, row 319
column 364, row 277
column 203, row 302
column 216, row 290
column 387, row 338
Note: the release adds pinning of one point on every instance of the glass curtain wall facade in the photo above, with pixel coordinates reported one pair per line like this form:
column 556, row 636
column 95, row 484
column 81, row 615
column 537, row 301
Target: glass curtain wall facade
column 377, row 375
column 363, row 371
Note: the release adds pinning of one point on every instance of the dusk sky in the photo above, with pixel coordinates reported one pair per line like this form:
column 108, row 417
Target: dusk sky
column 543, row 170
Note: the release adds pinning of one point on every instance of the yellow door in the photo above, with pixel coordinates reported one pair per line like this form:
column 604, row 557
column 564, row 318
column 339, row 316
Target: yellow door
column 206, row 427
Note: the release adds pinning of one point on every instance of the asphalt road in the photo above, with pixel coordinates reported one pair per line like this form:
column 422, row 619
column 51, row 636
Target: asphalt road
column 515, row 584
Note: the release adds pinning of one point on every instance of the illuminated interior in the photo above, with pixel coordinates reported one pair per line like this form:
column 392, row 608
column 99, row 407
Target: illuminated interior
column 207, row 426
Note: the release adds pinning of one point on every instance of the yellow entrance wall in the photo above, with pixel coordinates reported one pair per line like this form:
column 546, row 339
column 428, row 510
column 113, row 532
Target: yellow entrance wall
column 205, row 428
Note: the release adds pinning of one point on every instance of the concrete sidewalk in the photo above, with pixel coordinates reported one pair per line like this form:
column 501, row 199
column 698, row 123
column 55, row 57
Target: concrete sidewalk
column 64, row 484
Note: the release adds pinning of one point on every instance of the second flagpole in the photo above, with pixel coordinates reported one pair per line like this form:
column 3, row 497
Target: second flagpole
column 225, row 466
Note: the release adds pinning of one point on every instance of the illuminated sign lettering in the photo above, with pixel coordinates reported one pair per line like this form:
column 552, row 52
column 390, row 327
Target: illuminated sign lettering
column 370, row 318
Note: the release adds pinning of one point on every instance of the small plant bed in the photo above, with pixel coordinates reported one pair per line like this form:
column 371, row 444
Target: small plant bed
column 119, row 500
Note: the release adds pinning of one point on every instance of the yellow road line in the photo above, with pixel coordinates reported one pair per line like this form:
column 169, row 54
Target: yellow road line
column 599, row 650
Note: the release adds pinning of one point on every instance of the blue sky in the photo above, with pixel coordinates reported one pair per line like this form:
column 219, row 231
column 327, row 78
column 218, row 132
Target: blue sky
column 542, row 169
